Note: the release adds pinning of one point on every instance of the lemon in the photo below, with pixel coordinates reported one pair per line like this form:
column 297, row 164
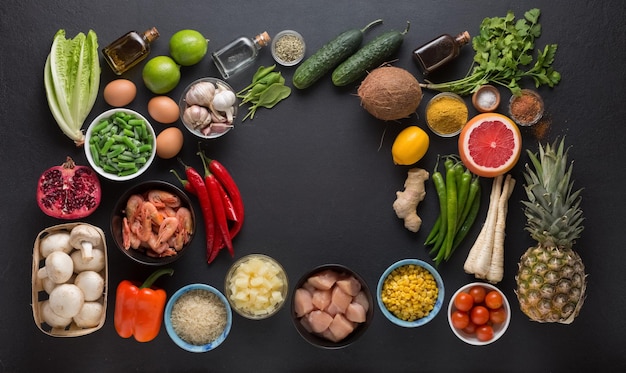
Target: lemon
column 188, row 47
column 161, row 74
column 410, row 146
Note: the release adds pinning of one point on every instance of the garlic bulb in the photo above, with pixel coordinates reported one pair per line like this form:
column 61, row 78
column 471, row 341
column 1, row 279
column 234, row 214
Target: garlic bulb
column 224, row 100
column 201, row 93
column 197, row 116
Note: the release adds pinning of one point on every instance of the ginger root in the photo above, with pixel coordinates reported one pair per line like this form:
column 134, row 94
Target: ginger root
column 406, row 202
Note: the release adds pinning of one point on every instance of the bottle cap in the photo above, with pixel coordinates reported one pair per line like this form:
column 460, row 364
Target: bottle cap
column 263, row 39
column 463, row 38
column 151, row 34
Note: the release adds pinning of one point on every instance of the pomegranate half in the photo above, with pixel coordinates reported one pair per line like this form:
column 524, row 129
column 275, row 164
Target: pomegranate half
column 69, row 191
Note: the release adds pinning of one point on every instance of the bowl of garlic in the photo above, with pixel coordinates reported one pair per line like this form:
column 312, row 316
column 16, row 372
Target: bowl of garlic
column 256, row 286
column 208, row 108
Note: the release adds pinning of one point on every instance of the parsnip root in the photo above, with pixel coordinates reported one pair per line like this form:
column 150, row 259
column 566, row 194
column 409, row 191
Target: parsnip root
column 406, row 201
column 486, row 257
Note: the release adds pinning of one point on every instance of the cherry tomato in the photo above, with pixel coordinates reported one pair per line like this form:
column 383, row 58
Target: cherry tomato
column 478, row 293
column 460, row 320
column 493, row 300
column 463, row 302
column 484, row 333
column 479, row 315
column 470, row 328
column 497, row 316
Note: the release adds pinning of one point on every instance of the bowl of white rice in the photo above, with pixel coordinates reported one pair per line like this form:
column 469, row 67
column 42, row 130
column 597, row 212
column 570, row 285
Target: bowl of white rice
column 198, row 318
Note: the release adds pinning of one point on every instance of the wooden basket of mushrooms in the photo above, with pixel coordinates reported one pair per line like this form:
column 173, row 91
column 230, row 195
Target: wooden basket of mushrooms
column 69, row 279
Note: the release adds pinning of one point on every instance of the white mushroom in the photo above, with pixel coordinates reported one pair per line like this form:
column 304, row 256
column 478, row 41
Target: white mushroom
column 90, row 315
column 49, row 285
column 57, row 241
column 66, row 300
column 95, row 264
column 51, row 318
column 91, row 284
column 59, row 267
column 84, row 238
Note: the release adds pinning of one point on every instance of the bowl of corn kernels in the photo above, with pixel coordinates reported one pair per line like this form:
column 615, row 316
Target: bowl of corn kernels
column 410, row 293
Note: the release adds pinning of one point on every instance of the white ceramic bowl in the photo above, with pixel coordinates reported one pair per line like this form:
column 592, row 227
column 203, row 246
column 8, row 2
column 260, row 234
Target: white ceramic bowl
column 89, row 147
column 275, row 45
column 167, row 318
column 498, row 329
column 438, row 303
column 183, row 105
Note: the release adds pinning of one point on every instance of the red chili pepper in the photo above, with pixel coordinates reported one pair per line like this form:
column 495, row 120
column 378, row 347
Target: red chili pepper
column 224, row 177
column 218, row 211
column 229, row 209
column 195, row 179
column 139, row 309
column 213, row 188
column 185, row 183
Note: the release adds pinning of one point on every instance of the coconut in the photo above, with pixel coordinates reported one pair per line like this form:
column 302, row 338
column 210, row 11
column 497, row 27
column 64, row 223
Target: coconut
column 390, row 93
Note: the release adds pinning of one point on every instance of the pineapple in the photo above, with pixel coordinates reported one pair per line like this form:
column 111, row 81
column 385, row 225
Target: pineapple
column 551, row 279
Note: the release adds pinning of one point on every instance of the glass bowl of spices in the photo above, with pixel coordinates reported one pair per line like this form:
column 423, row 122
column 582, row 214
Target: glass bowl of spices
column 288, row 48
column 486, row 99
column 526, row 109
column 446, row 114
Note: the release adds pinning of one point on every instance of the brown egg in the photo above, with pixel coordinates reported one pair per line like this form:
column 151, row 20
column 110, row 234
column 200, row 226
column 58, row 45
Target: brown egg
column 163, row 109
column 169, row 142
column 119, row 92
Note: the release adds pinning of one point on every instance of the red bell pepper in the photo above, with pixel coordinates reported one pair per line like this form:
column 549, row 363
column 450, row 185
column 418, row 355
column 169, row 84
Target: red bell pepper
column 139, row 308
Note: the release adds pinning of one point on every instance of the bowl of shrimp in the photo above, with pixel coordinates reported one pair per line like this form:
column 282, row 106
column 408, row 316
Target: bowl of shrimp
column 153, row 223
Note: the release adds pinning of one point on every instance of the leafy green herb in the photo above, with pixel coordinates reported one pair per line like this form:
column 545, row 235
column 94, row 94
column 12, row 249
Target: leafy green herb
column 266, row 90
column 504, row 55
column 72, row 79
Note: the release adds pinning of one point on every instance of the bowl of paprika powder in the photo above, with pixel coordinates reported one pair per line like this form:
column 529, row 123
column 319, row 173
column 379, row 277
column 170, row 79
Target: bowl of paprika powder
column 526, row 109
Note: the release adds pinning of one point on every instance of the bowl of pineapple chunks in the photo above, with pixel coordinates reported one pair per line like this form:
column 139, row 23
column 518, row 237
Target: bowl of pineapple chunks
column 256, row 286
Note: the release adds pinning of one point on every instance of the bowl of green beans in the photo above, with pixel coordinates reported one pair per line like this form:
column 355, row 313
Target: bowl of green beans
column 120, row 144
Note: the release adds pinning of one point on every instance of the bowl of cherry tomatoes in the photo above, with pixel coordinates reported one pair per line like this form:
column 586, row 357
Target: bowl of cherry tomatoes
column 479, row 313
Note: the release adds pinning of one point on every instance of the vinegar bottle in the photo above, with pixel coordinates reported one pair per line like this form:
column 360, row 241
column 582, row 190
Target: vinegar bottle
column 439, row 51
column 129, row 50
column 238, row 54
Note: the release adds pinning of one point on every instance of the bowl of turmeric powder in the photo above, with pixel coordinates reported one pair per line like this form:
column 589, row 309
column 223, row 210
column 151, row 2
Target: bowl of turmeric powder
column 446, row 114
column 410, row 293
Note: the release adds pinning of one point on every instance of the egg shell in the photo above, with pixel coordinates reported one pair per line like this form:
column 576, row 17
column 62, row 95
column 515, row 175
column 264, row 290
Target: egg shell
column 119, row 92
column 163, row 109
column 169, row 142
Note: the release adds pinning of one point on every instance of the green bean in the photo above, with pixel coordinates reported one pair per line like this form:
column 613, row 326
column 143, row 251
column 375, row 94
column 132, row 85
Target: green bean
column 440, row 187
column 105, row 148
column 451, row 206
column 474, row 192
column 94, row 153
column 432, row 236
column 128, row 171
column 136, row 122
column 463, row 185
column 468, row 221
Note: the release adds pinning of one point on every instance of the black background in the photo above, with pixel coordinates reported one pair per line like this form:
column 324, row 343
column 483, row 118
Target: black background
column 317, row 188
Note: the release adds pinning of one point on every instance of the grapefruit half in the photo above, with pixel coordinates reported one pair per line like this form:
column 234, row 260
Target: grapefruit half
column 490, row 144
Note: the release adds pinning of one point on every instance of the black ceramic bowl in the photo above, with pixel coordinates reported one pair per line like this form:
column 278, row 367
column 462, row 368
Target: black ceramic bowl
column 316, row 339
column 141, row 255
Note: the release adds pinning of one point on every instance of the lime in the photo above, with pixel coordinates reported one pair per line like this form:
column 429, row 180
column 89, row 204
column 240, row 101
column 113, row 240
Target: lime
column 188, row 47
column 161, row 74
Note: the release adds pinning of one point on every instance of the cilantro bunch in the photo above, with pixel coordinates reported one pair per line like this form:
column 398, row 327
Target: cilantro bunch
column 504, row 55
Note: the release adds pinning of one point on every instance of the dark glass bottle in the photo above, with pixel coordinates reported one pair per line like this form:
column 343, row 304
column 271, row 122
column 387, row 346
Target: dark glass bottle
column 129, row 50
column 439, row 51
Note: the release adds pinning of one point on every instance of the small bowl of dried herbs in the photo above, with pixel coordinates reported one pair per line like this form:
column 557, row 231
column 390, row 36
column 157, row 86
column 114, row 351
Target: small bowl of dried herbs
column 288, row 48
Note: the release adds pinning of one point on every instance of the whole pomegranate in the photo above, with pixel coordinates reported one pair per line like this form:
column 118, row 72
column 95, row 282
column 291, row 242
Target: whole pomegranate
column 68, row 191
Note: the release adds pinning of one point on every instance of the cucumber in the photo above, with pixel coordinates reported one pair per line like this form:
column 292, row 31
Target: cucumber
column 329, row 56
column 372, row 55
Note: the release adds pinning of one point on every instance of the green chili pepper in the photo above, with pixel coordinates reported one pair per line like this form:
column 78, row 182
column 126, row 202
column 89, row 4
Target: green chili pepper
column 451, row 206
column 468, row 222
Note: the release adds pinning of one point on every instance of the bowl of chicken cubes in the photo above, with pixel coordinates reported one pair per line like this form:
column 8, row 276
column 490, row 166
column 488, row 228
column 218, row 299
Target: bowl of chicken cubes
column 332, row 306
